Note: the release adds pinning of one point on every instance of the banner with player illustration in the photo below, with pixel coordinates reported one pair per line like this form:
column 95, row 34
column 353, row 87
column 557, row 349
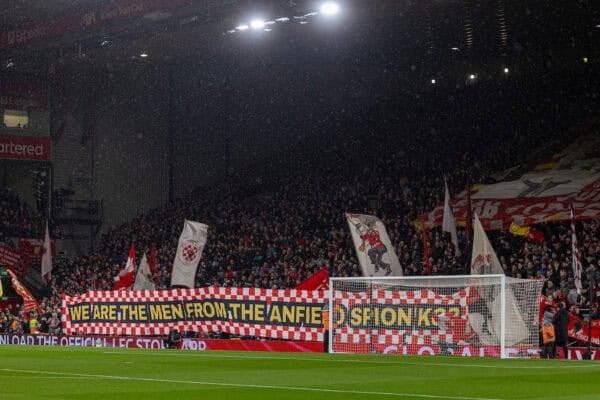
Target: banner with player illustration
column 374, row 250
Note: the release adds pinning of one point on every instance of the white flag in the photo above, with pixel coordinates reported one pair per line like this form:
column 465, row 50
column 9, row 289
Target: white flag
column 144, row 279
column 374, row 250
column 46, row 269
column 189, row 252
column 484, row 261
column 449, row 223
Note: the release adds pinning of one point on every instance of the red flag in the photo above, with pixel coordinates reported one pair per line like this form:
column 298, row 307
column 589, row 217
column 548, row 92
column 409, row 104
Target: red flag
column 317, row 281
column 126, row 276
column 536, row 236
column 29, row 302
column 425, row 245
column 153, row 265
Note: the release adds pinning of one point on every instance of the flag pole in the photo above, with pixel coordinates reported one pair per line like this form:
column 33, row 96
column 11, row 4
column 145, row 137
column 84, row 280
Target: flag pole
column 425, row 245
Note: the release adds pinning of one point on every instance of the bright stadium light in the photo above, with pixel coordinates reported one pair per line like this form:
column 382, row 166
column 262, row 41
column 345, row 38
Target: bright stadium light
column 329, row 8
column 242, row 27
column 144, row 55
column 433, row 81
column 472, row 76
column 282, row 19
column 257, row 24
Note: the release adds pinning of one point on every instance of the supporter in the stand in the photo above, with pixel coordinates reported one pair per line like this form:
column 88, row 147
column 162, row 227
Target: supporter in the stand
column 54, row 325
column 595, row 312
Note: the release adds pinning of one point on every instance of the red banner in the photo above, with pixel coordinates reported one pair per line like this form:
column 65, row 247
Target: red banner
column 9, row 257
column 25, row 148
column 157, row 343
column 34, row 248
column 23, row 95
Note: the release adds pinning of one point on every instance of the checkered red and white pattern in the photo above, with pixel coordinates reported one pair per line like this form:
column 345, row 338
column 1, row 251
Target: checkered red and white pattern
column 346, row 334
column 240, row 328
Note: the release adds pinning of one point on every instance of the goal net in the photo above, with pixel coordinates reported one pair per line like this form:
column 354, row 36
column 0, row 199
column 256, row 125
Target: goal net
column 468, row 315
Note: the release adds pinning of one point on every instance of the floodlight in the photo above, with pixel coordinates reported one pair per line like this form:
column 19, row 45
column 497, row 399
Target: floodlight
column 242, row 27
column 257, row 24
column 329, row 8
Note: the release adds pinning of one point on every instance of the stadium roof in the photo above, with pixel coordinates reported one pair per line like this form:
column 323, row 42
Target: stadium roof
column 36, row 35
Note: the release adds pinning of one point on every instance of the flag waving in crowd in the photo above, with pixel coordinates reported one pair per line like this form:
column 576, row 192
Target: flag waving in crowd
column 143, row 278
column 124, row 280
column 448, row 222
column 189, row 251
column 374, row 250
column 47, row 257
column 526, row 232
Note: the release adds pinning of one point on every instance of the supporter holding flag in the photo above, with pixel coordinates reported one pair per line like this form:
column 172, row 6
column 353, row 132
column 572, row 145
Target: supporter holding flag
column 124, row 280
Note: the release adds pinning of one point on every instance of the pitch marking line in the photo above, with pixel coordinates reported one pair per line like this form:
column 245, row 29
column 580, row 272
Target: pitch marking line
column 242, row 385
column 562, row 363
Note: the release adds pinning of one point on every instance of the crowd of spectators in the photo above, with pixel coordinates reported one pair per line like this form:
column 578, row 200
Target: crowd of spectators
column 277, row 229
column 17, row 219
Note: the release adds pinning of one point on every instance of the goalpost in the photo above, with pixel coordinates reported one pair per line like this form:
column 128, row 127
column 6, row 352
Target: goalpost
column 466, row 315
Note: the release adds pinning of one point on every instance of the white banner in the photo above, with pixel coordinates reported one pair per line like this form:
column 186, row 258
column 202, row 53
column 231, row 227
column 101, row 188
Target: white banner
column 189, row 252
column 374, row 250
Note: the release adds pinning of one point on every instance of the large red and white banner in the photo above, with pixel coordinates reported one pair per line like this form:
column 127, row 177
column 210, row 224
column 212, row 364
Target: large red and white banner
column 266, row 313
column 25, row 148
column 381, row 318
column 541, row 195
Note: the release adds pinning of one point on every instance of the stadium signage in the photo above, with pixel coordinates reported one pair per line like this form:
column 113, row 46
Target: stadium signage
column 25, row 148
column 93, row 18
column 575, row 353
column 193, row 344
column 23, row 95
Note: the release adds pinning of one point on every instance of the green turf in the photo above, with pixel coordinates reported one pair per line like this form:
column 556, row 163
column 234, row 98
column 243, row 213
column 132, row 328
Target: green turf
column 97, row 373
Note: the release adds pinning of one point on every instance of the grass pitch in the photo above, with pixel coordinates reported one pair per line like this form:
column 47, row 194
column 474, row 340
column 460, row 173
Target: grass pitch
column 99, row 373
